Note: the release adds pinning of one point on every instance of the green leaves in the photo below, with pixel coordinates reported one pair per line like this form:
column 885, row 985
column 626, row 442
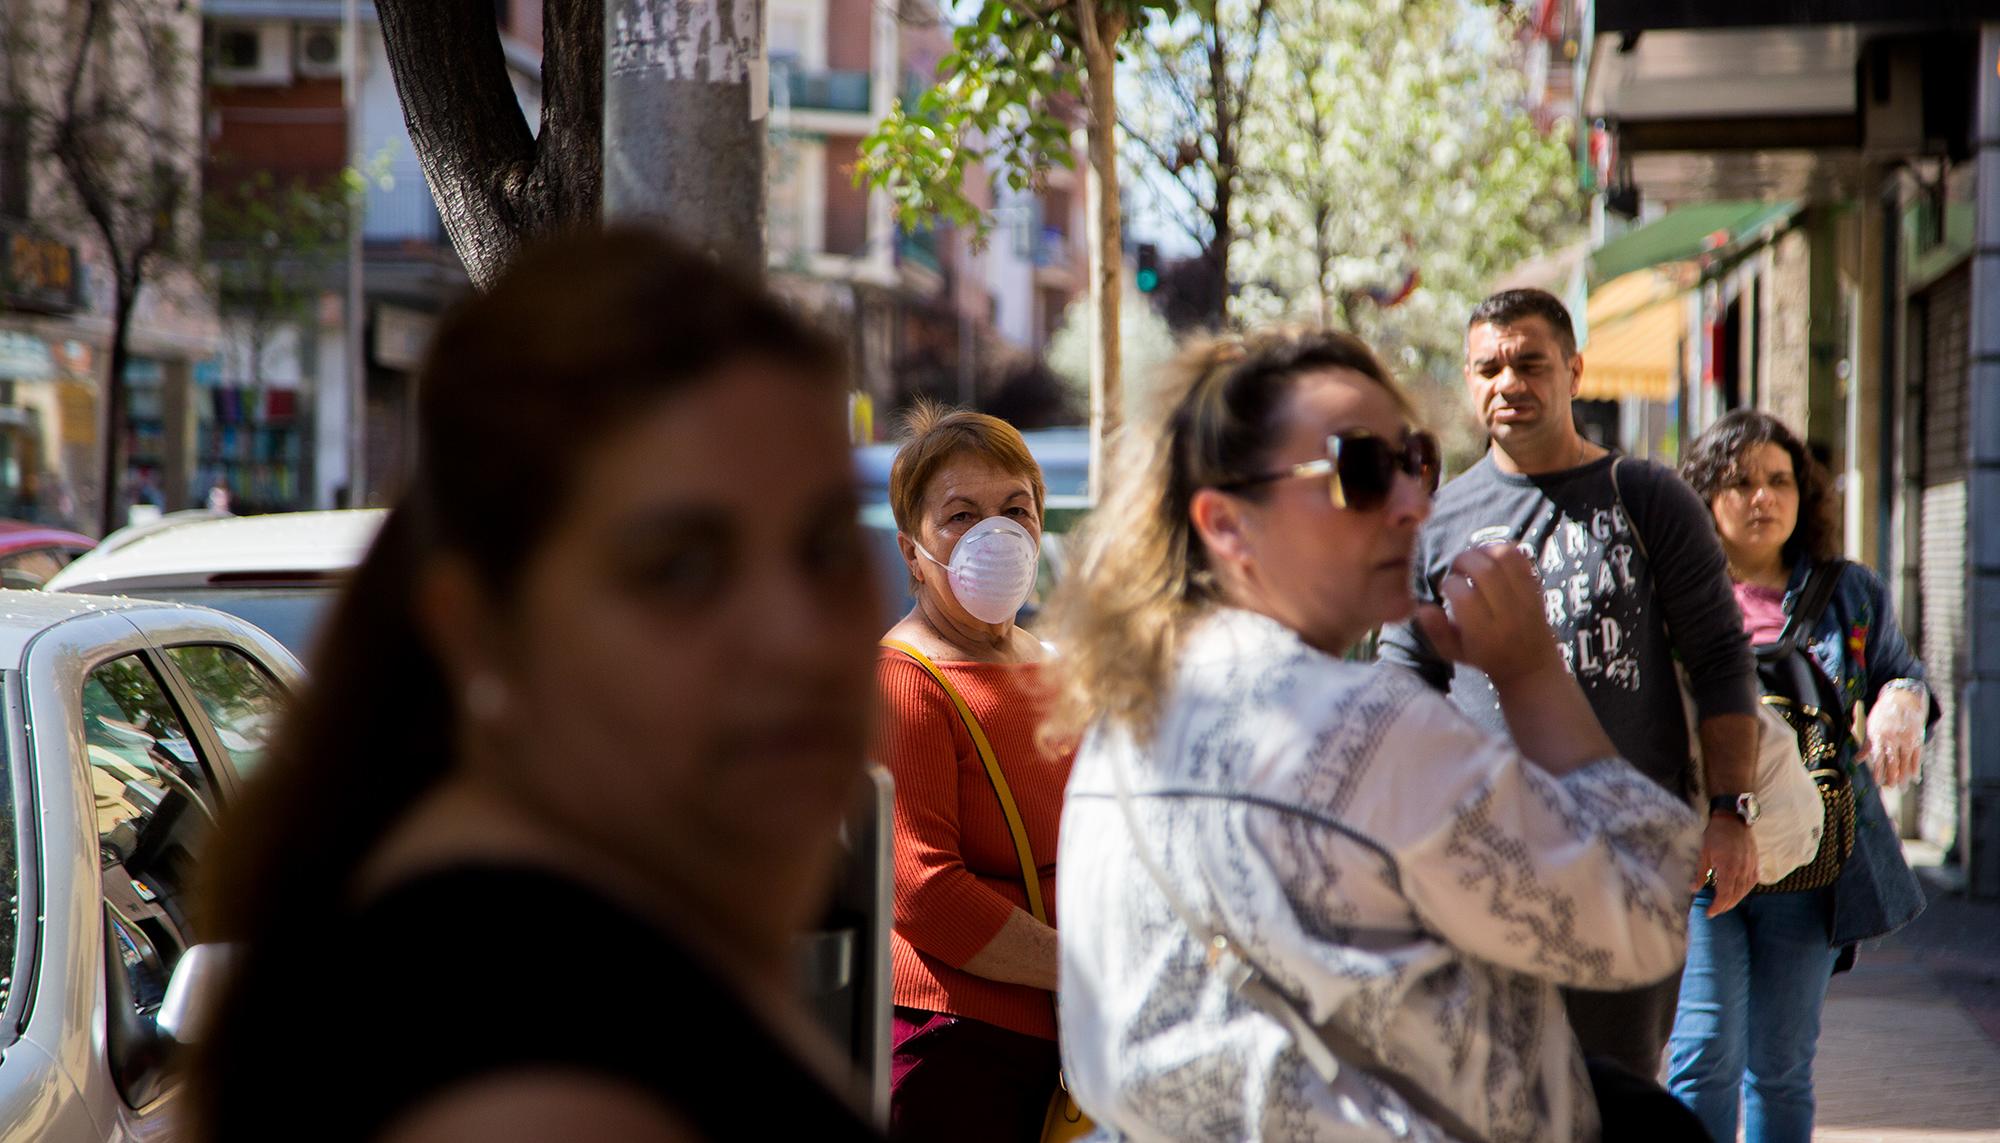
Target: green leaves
column 1003, row 105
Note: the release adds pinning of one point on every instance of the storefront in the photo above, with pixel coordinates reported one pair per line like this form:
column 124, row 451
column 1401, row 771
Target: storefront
column 45, row 380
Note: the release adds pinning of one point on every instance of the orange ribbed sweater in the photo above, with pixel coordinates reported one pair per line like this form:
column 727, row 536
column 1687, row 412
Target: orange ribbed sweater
column 957, row 877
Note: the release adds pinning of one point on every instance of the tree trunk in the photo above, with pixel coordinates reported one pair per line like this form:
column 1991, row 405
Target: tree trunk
column 1227, row 171
column 685, row 90
column 1218, row 259
column 1101, row 31
column 497, row 184
column 124, row 294
column 1322, row 265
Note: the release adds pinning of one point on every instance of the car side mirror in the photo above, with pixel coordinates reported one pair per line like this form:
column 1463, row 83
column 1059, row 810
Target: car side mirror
column 194, row 990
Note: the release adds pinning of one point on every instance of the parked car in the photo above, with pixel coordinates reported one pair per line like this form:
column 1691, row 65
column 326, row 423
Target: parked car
column 32, row 553
column 280, row 572
column 127, row 725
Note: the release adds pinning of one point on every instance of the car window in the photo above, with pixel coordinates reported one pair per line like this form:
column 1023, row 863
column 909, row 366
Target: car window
column 291, row 615
column 32, row 568
column 242, row 701
column 155, row 804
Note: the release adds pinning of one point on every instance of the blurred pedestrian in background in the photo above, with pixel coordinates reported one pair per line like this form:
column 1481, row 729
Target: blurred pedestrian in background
column 1306, row 897
column 1756, row 977
column 537, row 841
column 977, row 796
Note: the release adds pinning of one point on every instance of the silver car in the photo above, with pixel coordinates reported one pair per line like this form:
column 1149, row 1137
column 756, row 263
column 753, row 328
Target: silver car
column 127, row 724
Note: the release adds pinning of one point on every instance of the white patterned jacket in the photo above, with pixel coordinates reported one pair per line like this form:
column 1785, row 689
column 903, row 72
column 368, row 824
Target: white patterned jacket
column 1389, row 866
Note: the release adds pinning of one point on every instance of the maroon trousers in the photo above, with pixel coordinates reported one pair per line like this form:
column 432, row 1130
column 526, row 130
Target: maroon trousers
column 954, row 1080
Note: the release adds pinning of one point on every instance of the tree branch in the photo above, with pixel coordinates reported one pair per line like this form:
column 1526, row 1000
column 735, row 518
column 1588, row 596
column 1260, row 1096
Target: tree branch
column 569, row 161
column 1165, row 162
column 1259, row 20
column 466, row 126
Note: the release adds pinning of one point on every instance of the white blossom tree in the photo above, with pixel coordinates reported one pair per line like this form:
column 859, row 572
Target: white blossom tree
column 1392, row 172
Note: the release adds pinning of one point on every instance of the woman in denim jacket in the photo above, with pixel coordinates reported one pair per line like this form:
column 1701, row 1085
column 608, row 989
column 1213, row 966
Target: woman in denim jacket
column 1771, row 507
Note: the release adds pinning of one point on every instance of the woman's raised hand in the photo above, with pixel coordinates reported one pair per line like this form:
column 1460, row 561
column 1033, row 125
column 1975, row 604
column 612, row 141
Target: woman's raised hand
column 1492, row 616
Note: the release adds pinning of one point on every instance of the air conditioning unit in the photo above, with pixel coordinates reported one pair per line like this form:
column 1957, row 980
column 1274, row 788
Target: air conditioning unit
column 318, row 54
column 252, row 55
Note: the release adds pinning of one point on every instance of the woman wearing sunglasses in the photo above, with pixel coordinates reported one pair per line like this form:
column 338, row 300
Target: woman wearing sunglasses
column 1305, row 897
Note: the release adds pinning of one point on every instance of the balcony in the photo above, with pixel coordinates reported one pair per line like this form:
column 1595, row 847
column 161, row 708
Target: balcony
column 919, row 248
column 1053, row 250
column 803, row 90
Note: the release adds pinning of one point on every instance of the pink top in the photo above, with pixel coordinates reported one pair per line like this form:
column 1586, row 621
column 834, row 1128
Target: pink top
column 1763, row 611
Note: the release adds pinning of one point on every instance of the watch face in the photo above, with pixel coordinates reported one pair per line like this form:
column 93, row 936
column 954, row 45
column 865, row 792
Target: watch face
column 1747, row 808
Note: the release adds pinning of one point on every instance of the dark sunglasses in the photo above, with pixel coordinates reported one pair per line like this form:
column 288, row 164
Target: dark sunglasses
column 1362, row 468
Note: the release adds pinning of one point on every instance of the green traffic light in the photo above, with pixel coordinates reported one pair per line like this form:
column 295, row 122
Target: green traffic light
column 1149, row 280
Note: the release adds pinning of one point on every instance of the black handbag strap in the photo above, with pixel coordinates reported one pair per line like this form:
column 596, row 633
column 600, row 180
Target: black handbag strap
column 1812, row 601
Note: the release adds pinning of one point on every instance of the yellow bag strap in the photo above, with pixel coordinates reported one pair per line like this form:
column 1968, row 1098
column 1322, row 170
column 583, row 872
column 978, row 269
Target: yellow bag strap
column 1030, row 879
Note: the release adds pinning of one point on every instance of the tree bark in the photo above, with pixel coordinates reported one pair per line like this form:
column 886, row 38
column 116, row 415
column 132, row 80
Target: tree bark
column 1102, row 28
column 497, row 184
column 1227, row 171
column 683, row 145
column 113, row 419
column 1323, row 264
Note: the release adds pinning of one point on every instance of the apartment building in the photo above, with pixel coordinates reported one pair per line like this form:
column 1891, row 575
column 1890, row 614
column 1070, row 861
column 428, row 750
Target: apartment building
column 928, row 310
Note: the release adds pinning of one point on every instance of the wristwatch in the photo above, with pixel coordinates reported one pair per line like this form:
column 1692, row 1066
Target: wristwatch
column 1744, row 806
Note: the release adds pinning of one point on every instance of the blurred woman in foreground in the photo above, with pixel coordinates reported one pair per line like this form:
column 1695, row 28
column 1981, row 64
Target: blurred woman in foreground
column 529, row 860
column 1303, row 897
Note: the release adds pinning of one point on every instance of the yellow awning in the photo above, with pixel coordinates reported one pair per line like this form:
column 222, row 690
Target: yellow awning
column 1635, row 327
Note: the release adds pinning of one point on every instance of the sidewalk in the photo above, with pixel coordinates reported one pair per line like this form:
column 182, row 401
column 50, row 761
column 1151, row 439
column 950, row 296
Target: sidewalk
column 1910, row 1044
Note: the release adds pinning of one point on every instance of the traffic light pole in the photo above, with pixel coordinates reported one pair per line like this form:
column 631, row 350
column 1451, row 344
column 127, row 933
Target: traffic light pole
column 1146, row 267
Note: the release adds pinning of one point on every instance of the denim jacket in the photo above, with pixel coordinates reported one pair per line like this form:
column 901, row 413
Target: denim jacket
column 1861, row 648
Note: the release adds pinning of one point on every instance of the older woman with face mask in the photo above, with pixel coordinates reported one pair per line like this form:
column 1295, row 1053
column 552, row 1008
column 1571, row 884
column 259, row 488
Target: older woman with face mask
column 974, row 947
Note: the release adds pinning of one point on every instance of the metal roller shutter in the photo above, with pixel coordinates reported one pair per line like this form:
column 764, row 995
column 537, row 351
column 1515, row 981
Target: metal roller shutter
column 1946, row 309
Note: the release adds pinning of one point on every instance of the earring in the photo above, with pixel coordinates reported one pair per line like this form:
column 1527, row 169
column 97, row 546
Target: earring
column 485, row 696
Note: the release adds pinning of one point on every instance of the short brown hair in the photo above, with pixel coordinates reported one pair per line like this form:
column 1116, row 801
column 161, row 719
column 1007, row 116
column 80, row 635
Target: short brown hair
column 933, row 435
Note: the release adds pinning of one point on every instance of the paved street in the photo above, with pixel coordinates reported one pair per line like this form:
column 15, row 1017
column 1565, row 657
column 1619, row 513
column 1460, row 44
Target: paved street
column 1910, row 1049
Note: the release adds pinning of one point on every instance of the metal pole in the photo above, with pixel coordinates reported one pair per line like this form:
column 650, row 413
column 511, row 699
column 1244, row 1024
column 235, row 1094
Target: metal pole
column 357, row 366
column 686, row 91
column 1980, row 724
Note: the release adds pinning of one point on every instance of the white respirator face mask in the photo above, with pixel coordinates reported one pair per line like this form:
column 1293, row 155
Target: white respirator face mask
column 992, row 570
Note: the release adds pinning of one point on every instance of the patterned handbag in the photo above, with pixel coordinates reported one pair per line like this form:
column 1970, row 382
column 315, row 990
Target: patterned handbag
column 1798, row 690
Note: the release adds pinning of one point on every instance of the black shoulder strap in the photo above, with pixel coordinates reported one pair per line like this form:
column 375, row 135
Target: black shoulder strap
column 1812, row 599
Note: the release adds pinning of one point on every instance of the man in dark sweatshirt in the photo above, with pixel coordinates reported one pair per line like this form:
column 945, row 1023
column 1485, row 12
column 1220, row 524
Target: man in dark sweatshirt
column 1633, row 577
